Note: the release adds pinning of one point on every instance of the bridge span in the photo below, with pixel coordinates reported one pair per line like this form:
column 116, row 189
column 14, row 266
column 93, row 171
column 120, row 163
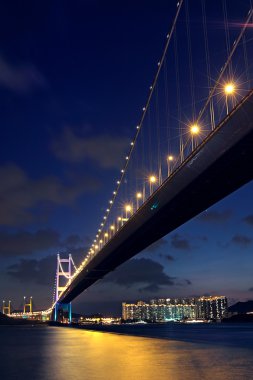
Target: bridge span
column 221, row 164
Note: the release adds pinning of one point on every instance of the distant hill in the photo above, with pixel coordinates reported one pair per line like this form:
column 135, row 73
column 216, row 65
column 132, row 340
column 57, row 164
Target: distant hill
column 241, row 307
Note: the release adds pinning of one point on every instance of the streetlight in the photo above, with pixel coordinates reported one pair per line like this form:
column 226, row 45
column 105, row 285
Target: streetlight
column 112, row 228
column 119, row 222
column 169, row 161
column 152, row 180
column 229, row 90
column 106, row 236
column 194, row 132
column 128, row 208
column 138, row 197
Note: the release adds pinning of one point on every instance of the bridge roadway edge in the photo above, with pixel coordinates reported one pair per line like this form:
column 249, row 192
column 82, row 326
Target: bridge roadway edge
column 221, row 164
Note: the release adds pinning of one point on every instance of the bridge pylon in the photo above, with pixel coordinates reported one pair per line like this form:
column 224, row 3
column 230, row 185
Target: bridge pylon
column 63, row 312
column 28, row 306
column 6, row 308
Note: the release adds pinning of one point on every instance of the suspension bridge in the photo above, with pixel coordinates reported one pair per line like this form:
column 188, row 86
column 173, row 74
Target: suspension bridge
column 193, row 144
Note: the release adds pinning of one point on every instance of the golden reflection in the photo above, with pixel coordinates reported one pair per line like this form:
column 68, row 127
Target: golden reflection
column 79, row 354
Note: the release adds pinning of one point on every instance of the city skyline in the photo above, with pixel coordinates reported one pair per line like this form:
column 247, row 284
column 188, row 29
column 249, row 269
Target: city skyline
column 57, row 175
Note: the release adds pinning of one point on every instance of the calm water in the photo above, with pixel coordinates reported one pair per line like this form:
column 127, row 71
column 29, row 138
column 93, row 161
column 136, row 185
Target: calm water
column 176, row 352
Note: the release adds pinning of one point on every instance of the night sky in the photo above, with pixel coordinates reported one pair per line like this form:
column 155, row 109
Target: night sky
column 73, row 79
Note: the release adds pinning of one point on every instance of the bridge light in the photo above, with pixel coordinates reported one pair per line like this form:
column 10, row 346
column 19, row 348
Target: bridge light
column 138, row 196
column 128, row 208
column 112, row 228
column 152, row 180
column 169, row 160
column 194, row 132
column 229, row 88
column 106, row 234
column 195, row 129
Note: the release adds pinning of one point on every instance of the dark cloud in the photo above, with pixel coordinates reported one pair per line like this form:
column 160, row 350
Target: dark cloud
column 73, row 240
column 169, row 257
column 27, row 243
column 20, row 79
column 152, row 288
column 184, row 282
column 251, row 289
column 21, row 195
column 242, row 240
column 249, row 220
column 139, row 271
column 215, row 216
column 180, row 243
column 41, row 271
column 157, row 246
column 105, row 150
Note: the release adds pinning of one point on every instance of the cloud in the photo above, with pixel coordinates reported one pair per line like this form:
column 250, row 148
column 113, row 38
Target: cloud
column 215, row 216
column 152, row 288
column 139, row 271
column 20, row 194
column 26, row 243
column 249, row 220
column 105, row 150
column 41, row 271
column 20, row 79
column 157, row 246
column 251, row 289
column 169, row 257
column 180, row 243
column 242, row 240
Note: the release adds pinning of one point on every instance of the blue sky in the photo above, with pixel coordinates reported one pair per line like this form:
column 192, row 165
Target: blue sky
column 73, row 80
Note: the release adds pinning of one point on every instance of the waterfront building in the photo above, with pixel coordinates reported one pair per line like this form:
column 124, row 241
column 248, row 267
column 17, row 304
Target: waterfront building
column 213, row 307
column 160, row 310
column 176, row 309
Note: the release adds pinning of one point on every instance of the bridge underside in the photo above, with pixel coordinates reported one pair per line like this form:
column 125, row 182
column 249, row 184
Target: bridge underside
column 221, row 164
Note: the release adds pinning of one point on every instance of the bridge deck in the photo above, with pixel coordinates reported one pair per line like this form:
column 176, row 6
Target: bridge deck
column 220, row 165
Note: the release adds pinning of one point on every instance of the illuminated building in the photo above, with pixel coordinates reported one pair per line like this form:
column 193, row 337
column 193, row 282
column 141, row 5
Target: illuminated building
column 160, row 310
column 176, row 309
column 213, row 307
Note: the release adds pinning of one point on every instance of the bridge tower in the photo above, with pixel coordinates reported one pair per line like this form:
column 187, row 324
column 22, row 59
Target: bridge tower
column 63, row 271
column 6, row 308
column 28, row 306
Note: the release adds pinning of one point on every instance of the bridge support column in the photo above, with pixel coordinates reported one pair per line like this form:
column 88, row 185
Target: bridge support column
column 62, row 312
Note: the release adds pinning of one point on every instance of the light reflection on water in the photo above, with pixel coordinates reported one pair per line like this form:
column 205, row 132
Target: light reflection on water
column 52, row 353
